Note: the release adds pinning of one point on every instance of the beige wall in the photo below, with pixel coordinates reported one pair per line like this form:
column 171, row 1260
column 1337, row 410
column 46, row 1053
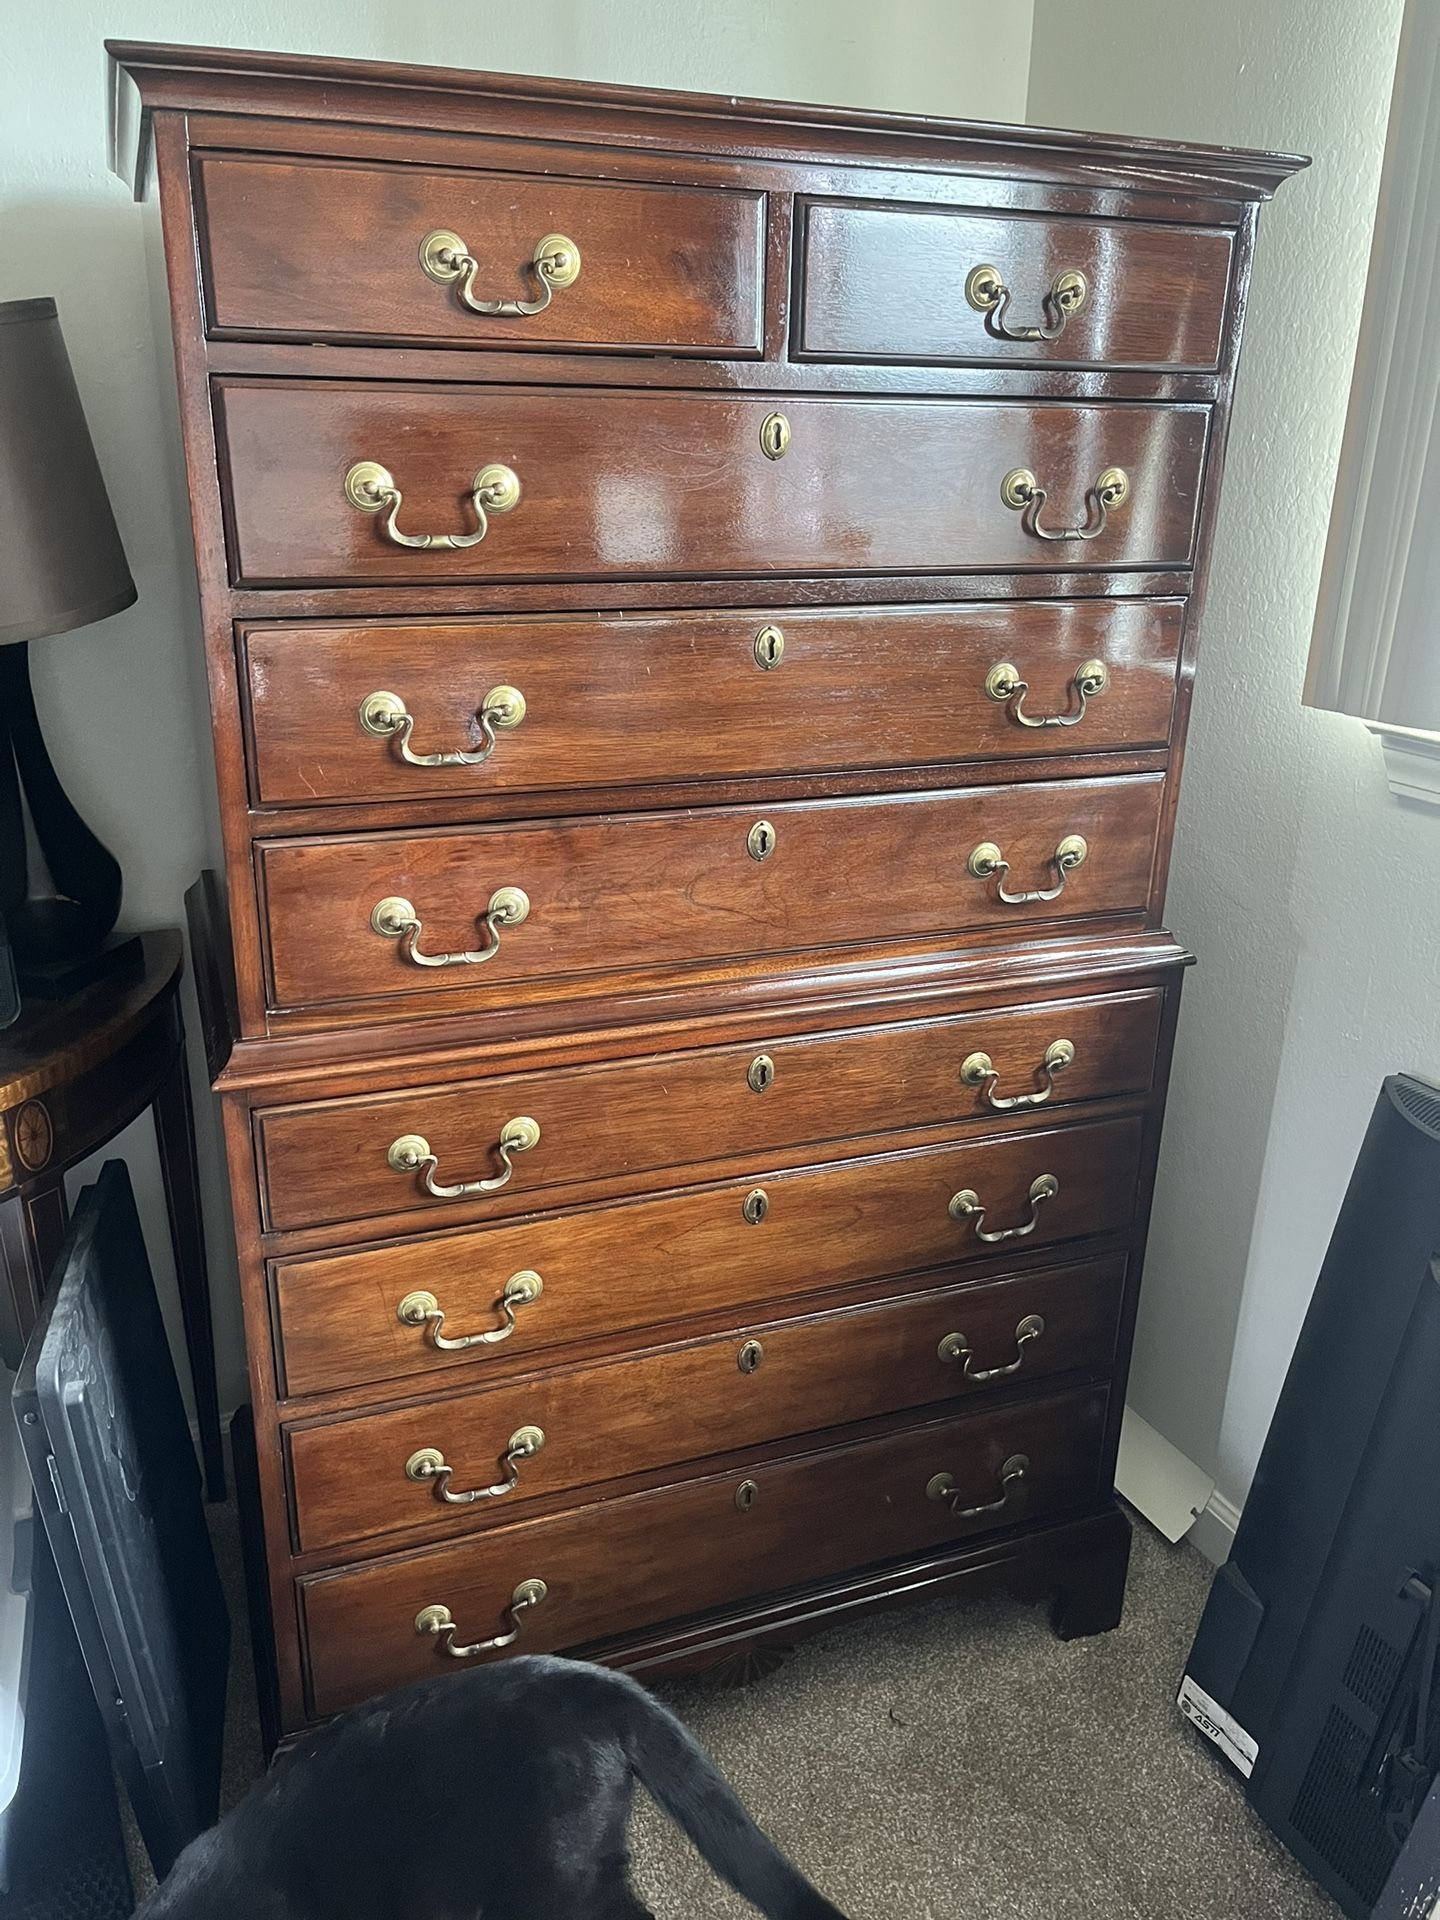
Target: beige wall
column 1310, row 894
column 123, row 702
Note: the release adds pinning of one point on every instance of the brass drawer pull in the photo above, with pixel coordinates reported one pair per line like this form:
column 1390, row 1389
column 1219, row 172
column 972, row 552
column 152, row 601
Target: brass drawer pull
column 385, row 714
column 943, row 1487
column 396, row 919
column 424, row 1310
column 440, row 1622
column 988, row 294
column 988, row 863
column 411, row 1154
column 1022, row 492
column 1003, row 683
column 956, row 1347
column 978, row 1070
column 430, row 1468
column 966, row 1205
column 555, row 263
column 372, row 489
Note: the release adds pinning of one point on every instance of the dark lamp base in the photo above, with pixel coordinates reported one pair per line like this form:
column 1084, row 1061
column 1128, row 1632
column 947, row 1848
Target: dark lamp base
column 58, row 979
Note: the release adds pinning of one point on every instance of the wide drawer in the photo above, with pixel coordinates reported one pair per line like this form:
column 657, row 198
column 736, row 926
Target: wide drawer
column 361, row 711
column 610, row 484
column 653, row 1557
column 941, row 284
column 331, row 1160
column 374, row 1313
column 355, row 1479
column 367, row 917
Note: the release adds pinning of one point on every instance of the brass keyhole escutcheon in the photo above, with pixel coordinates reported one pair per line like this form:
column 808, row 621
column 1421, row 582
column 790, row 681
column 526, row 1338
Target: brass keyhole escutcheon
column 749, row 1357
column 774, row 436
column 761, row 1073
column 746, row 1494
column 760, row 841
column 755, row 1205
column 769, row 647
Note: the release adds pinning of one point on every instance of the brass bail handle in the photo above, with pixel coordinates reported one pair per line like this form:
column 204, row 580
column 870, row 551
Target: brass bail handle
column 978, row 1070
column 396, row 919
column 988, row 294
column 987, row 862
column 1012, row 1475
column 967, row 1205
column 422, row 1309
column 439, row 1623
column 371, row 488
column 1003, row 683
column 555, row 263
column 955, row 1346
column 411, row 1154
column 1023, row 494
column 386, row 715
column 427, row 1466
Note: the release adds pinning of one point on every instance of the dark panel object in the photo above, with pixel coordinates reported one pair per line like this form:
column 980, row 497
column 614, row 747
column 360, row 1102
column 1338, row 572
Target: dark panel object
column 119, row 1490
column 1321, row 1635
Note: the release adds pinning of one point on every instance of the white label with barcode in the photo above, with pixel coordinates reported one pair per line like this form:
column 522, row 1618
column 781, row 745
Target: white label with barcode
column 1217, row 1725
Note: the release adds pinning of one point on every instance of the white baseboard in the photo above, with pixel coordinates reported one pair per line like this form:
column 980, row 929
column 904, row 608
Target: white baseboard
column 1214, row 1530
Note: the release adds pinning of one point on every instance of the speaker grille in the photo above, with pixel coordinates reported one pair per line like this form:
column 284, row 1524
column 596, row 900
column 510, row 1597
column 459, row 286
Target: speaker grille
column 1337, row 1818
column 1420, row 1103
column 1373, row 1668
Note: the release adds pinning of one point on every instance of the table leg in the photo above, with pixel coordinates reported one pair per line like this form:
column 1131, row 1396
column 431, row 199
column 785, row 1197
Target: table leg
column 175, row 1135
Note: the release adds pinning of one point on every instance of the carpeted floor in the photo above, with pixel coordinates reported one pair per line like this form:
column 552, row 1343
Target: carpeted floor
column 957, row 1762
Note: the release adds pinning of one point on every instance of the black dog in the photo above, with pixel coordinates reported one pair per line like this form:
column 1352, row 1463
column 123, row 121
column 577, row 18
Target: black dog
column 501, row 1793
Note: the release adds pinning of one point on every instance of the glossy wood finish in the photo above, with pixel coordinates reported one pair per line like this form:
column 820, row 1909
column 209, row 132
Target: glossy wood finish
column 890, row 283
column 612, row 701
column 658, row 889
column 327, row 1161
column 318, row 251
column 678, row 1404
column 654, row 1261
column 616, row 484
column 622, row 595
column 617, row 1564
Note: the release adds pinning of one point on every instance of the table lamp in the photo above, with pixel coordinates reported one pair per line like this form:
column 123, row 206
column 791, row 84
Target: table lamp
column 61, row 566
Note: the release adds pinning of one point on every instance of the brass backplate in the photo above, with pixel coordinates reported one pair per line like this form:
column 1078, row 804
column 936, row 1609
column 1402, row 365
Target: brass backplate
column 750, row 1356
column 755, row 1205
column 760, row 1073
column 760, row 841
column 774, row 436
column 769, row 648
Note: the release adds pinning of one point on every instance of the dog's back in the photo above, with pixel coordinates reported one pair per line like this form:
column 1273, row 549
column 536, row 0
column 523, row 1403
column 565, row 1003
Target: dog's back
column 499, row 1793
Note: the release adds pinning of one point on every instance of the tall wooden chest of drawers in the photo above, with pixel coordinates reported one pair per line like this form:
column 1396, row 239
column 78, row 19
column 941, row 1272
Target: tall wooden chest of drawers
column 700, row 605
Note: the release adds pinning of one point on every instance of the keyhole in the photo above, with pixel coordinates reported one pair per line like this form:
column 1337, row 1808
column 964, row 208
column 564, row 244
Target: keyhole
column 746, row 1494
column 760, row 841
column 774, row 436
column 756, row 1205
column 761, row 1073
column 749, row 1357
column 769, row 647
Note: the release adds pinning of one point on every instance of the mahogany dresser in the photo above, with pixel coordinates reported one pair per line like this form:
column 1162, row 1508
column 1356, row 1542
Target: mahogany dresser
column 700, row 603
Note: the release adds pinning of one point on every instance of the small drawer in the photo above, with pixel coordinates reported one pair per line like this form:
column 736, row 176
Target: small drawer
column 364, row 711
column 324, row 250
column 619, row 1565
column 358, row 484
column 500, row 914
column 942, row 285
column 537, row 1283
column 334, row 1160
column 478, row 1455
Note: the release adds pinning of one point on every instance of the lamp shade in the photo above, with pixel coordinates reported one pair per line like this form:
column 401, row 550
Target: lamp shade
column 61, row 561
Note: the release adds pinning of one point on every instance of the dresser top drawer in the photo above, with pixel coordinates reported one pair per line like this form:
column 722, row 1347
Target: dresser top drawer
column 945, row 285
column 344, row 484
column 323, row 250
